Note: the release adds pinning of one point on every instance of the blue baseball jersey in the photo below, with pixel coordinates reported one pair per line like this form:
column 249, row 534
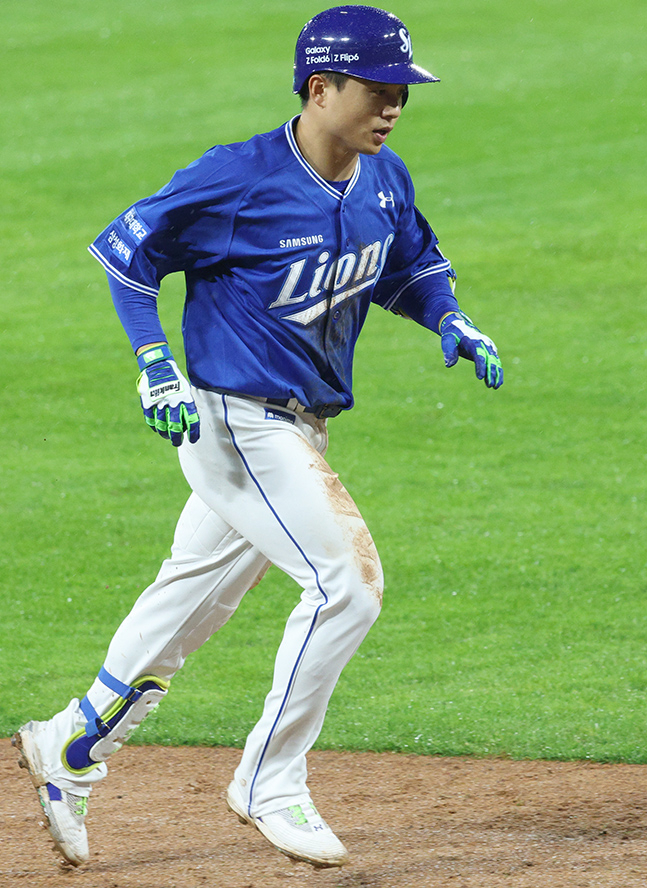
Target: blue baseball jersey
column 281, row 266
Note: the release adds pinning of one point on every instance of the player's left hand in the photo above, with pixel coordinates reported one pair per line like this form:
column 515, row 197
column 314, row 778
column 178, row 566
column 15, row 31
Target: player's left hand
column 461, row 338
column 169, row 408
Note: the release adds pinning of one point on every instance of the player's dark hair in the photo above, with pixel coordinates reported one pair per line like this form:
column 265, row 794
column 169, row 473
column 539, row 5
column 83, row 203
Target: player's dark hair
column 337, row 79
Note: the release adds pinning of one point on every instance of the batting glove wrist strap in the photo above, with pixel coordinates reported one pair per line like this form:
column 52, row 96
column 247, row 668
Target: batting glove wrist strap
column 460, row 337
column 169, row 408
column 154, row 355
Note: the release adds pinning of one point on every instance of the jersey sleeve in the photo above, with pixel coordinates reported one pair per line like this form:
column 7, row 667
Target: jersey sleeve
column 137, row 312
column 417, row 280
column 185, row 226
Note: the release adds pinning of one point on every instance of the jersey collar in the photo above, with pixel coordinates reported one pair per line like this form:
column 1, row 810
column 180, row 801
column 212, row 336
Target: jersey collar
column 327, row 187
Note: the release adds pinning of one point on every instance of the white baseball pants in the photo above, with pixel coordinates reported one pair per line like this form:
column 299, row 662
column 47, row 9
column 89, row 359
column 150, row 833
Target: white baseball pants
column 262, row 493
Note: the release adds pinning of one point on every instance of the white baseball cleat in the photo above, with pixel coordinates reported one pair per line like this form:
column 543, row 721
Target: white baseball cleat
column 298, row 831
column 64, row 813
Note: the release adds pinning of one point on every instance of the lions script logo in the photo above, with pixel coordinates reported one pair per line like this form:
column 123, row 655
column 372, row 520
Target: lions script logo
column 333, row 281
column 405, row 46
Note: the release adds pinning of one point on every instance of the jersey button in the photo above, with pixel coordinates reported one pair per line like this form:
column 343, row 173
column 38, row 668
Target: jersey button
column 336, row 315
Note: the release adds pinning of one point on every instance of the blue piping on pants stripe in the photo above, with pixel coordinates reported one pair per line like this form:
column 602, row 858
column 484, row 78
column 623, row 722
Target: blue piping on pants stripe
column 316, row 614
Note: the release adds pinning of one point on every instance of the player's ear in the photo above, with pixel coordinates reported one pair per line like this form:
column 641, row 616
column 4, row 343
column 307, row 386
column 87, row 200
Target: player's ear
column 317, row 86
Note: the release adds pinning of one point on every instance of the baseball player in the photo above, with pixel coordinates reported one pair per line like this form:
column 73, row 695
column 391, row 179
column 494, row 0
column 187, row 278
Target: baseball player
column 285, row 241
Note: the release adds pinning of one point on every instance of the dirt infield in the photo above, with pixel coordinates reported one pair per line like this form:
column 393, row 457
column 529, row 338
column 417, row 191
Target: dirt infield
column 160, row 821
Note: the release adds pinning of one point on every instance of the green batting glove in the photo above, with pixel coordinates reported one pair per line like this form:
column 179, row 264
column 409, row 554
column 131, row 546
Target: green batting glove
column 461, row 338
column 169, row 408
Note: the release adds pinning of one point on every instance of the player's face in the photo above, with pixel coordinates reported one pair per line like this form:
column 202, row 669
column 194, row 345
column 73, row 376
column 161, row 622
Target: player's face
column 362, row 114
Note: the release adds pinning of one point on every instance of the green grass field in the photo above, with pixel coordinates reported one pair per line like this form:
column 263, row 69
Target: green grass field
column 511, row 524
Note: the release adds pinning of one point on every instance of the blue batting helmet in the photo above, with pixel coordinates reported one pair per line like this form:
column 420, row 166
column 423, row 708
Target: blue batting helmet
column 358, row 40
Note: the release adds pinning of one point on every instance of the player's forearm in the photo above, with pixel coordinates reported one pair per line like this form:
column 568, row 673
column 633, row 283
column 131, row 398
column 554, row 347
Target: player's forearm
column 138, row 314
column 427, row 301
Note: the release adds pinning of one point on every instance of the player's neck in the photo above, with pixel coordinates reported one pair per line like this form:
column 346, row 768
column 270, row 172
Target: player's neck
column 332, row 161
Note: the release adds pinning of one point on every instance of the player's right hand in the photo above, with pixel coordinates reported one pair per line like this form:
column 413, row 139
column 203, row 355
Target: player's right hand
column 169, row 408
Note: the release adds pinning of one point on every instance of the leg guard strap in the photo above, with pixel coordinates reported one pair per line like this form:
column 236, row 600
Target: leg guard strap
column 95, row 724
column 104, row 734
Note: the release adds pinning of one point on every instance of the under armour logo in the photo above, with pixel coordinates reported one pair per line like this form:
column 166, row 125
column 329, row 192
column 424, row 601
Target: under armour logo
column 384, row 200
